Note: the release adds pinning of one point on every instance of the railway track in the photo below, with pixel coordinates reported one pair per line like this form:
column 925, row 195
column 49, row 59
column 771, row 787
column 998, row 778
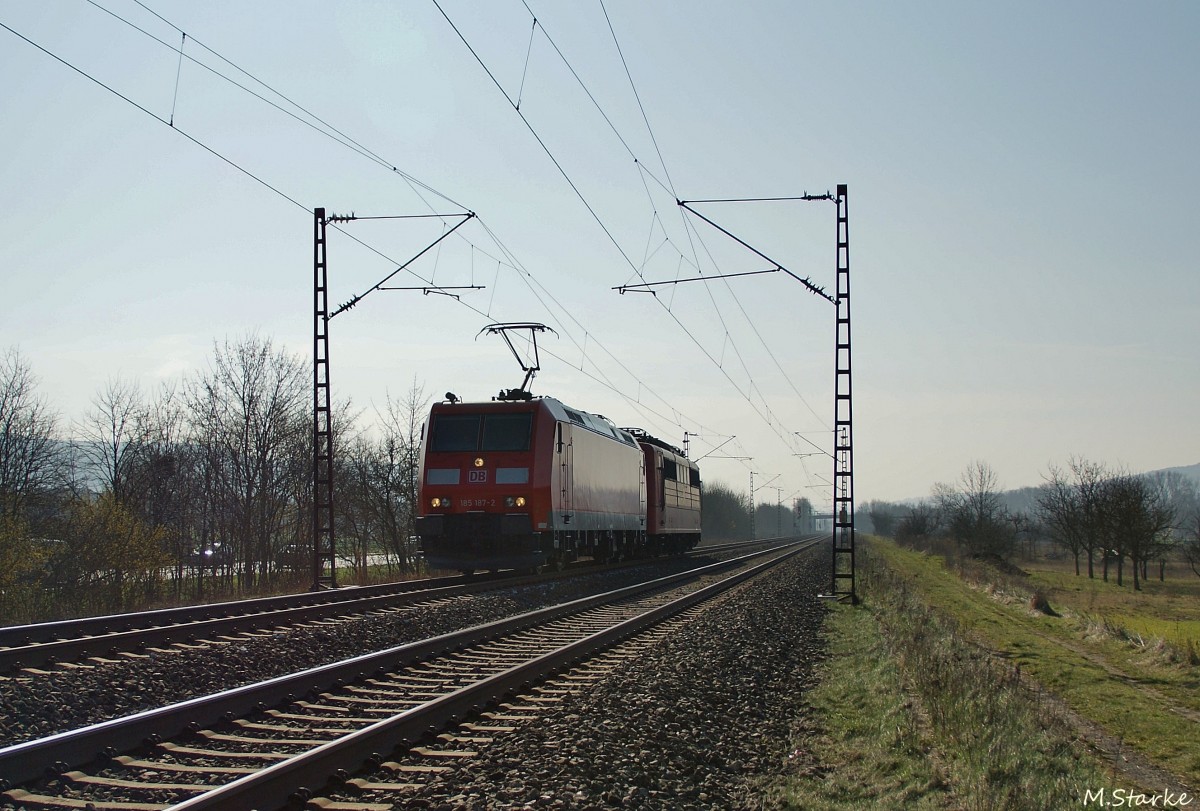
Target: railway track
column 268, row 744
column 46, row 644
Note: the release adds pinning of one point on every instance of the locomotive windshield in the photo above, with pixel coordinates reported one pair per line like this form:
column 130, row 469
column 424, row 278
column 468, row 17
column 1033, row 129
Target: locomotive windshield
column 506, row 432
column 474, row 432
column 459, row 432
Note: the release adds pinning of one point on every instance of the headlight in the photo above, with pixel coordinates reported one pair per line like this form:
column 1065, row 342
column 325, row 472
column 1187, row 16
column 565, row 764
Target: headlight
column 514, row 501
column 520, row 501
column 439, row 502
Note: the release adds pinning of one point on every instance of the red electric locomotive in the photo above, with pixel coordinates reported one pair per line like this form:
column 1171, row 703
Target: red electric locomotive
column 523, row 483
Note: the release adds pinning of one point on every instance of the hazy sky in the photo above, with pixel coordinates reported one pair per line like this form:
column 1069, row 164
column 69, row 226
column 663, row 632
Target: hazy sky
column 1023, row 221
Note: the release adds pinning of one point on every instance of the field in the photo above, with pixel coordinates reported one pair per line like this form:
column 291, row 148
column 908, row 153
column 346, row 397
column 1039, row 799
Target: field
column 947, row 688
column 1168, row 610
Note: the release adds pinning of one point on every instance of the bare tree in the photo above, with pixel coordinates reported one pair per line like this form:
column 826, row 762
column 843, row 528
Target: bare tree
column 725, row 514
column 112, row 433
column 405, row 424
column 884, row 516
column 161, row 480
column 1190, row 547
column 1061, row 507
column 379, row 492
column 1182, row 495
column 1138, row 519
column 917, row 526
column 31, row 458
column 250, row 417
column 975, row 514
column 1070, row 507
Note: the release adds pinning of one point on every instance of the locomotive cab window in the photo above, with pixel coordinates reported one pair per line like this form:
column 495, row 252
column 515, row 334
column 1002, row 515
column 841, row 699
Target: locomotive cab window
column 693, row 477
column 669, row 469
column 458, row 432
column 506, row 432
column 461, row 432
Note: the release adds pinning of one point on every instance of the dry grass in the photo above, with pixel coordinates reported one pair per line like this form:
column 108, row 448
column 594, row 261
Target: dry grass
column 912, row 713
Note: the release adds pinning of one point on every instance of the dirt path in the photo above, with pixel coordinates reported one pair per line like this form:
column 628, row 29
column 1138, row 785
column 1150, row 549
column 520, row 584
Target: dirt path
column 1126, row 762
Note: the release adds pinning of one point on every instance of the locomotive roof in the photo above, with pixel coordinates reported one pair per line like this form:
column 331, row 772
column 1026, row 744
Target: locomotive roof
column 593, row 422
column 561, row 412
column 650, row 439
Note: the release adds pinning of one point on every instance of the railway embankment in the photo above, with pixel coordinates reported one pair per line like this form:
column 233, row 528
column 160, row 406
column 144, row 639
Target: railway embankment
column 70, row 695
column 939, row 691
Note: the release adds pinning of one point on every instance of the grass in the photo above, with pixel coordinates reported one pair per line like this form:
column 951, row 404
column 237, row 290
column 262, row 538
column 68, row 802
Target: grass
column 1141, row 698
column 1168, row 610
column 1145, row 700
column 868, row 752
column 911, row 714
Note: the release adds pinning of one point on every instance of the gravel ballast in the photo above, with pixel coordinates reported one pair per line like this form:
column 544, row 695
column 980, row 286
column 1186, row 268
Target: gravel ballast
column 71, row 697
column 696, row 722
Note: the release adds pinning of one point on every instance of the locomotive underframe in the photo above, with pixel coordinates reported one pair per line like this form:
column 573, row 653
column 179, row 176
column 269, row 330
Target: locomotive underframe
column 479, row 540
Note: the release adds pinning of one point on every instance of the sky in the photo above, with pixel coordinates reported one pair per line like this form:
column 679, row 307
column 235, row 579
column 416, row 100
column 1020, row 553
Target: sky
column 1023, row 231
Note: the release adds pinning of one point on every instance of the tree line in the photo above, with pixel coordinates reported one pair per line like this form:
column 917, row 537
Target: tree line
column 200, row 488
column 1109, row 521
column 726, row 515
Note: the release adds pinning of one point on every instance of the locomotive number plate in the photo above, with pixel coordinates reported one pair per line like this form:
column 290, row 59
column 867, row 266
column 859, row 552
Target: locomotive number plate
column 481, row 502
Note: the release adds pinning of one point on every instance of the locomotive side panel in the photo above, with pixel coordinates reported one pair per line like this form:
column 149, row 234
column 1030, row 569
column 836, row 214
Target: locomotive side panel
column 601, row 483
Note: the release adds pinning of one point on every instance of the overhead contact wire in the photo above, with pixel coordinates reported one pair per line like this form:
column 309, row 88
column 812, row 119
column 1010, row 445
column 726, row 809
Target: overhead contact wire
column 344, row 139
column 587, row 205
column 349, row 143
column 667, row 174
column 329, row 130
column 156, row 117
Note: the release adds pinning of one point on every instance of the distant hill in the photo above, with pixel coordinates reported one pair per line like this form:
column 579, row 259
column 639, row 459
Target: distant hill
column 1191, row 471
column 1024, row 499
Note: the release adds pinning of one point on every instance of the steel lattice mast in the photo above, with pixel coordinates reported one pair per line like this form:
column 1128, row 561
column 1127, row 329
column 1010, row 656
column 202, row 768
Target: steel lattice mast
column 843, row 431
column 842, row 585
column 324, row 563
column 324, row 542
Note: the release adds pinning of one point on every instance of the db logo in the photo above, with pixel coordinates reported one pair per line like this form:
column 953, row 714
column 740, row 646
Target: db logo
column 477, row 477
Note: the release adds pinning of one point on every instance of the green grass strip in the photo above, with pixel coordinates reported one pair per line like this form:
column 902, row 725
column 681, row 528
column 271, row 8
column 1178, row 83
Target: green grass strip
column 868, row 752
